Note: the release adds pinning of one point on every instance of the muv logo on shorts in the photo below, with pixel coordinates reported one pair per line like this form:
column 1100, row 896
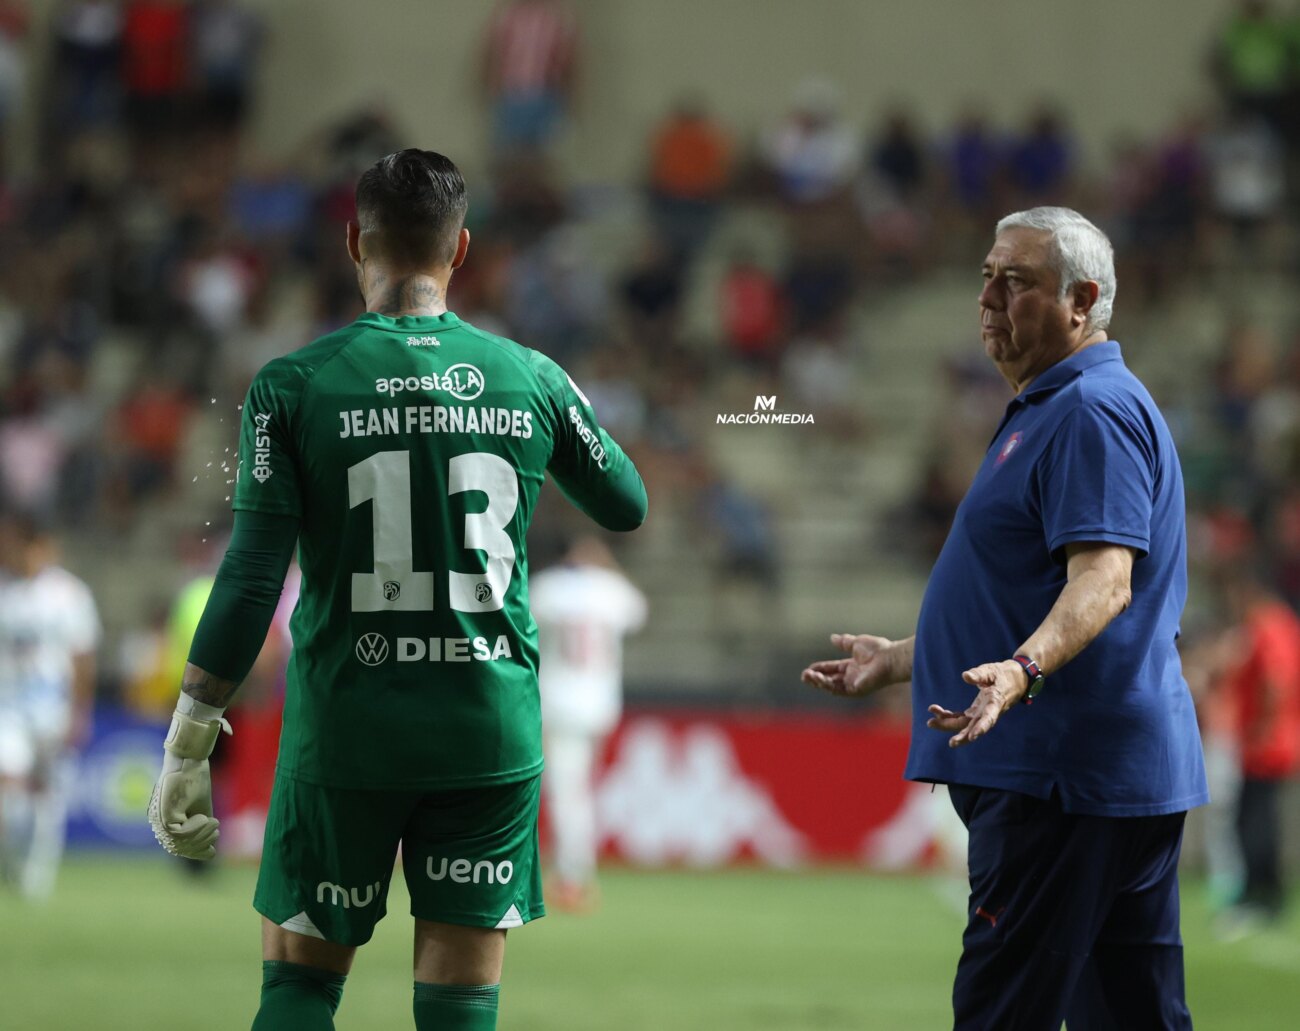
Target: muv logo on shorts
column 465, row 871
column 372, row 649
column 348, row 897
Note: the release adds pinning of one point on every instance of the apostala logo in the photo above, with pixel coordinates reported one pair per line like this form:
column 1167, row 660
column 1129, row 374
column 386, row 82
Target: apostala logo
column 462, row 381
column 372, row 649
column 765, row 413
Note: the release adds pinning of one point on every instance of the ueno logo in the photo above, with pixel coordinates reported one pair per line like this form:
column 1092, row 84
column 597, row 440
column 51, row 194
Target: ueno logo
column 462, row 381
column 465, row 871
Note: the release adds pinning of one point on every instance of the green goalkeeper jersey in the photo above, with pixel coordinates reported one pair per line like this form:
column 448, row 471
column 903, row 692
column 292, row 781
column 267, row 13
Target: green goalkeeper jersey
column 412, row 451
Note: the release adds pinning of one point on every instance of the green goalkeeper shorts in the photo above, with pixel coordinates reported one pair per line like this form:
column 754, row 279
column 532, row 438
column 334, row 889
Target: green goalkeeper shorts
column 469, row 857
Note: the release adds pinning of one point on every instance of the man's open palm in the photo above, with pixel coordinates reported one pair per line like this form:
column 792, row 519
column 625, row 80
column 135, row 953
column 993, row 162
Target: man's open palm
column 868, row 668
column 1000, row 685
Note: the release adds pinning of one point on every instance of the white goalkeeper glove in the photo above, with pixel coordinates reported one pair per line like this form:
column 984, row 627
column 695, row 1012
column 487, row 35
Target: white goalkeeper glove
column 180, row 811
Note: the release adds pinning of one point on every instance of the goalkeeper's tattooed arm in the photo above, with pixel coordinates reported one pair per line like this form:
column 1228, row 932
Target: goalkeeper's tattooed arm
column 226, row 643
column 180, row 811
column 206, row 688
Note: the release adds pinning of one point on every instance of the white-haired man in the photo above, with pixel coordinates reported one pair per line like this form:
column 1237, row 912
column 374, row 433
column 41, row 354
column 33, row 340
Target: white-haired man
column 1066, row 561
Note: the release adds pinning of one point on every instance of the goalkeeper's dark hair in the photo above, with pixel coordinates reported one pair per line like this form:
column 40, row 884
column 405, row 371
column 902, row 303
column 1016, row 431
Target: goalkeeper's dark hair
column 412, row 204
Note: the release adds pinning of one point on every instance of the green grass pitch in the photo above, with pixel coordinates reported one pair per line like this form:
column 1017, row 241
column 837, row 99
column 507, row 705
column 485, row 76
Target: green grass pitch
column 133, row 944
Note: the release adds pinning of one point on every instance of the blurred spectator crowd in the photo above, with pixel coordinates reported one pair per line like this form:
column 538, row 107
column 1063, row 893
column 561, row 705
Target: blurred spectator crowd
column 157, row 260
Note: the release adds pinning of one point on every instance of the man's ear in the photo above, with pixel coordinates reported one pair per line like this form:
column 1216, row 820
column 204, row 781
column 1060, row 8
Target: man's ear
column 462, row 246
column 354, row 241
column 1084, row 295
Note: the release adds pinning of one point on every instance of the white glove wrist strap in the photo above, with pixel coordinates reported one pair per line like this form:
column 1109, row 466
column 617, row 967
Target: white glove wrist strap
column 189, row 738
column 188, row 706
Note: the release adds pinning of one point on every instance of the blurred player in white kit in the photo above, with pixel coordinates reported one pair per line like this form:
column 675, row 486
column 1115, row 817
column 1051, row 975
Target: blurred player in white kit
column 49, row 631
column 584, row 607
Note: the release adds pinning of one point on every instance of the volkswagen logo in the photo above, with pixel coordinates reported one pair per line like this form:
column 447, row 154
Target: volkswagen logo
column 372, row 649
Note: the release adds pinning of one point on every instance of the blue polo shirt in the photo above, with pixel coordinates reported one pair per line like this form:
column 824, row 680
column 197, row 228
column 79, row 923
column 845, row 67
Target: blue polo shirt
column 1083, row 454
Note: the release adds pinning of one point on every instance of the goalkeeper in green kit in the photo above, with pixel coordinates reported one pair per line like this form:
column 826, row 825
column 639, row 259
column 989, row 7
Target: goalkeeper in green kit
column 402, row 455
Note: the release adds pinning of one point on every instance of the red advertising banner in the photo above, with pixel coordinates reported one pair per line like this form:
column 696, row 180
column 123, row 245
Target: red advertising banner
column 672, row 788
column 773, row 787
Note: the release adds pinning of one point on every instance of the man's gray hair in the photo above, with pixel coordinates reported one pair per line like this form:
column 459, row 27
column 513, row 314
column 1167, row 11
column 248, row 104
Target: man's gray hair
column 1079, row 252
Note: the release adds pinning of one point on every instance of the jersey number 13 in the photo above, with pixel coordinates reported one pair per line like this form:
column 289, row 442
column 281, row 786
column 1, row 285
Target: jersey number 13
column 394, row 586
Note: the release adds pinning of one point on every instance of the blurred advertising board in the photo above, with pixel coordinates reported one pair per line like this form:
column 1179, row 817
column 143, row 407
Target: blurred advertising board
column 681, row 788
column 115, row 775
column 772, row 787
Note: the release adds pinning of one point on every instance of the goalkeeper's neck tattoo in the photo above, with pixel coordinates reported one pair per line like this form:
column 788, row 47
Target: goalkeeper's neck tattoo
column 416, row 294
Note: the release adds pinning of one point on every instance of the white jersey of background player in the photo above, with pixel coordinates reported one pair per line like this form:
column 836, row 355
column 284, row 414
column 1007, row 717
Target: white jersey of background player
column 49, row 630
column 583, row 607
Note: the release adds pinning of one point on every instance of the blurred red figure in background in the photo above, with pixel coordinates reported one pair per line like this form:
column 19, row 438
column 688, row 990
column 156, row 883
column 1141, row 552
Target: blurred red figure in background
column 1262, row 683
column 753, row 311
column 530, row 59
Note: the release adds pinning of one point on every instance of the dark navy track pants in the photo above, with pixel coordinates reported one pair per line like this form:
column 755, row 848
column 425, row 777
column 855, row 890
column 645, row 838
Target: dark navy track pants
column 1071, row 917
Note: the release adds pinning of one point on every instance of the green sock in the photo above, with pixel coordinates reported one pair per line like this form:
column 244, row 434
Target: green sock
column 298, row 998
column 456, row 1007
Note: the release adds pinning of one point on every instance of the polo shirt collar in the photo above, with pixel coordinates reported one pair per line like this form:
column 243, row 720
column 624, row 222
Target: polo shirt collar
column 1059, row 375
column 1076, row 365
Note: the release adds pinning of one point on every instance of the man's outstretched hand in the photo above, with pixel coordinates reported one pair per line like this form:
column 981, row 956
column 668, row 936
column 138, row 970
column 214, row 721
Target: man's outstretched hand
column 1000, row 686
column 871, row 665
